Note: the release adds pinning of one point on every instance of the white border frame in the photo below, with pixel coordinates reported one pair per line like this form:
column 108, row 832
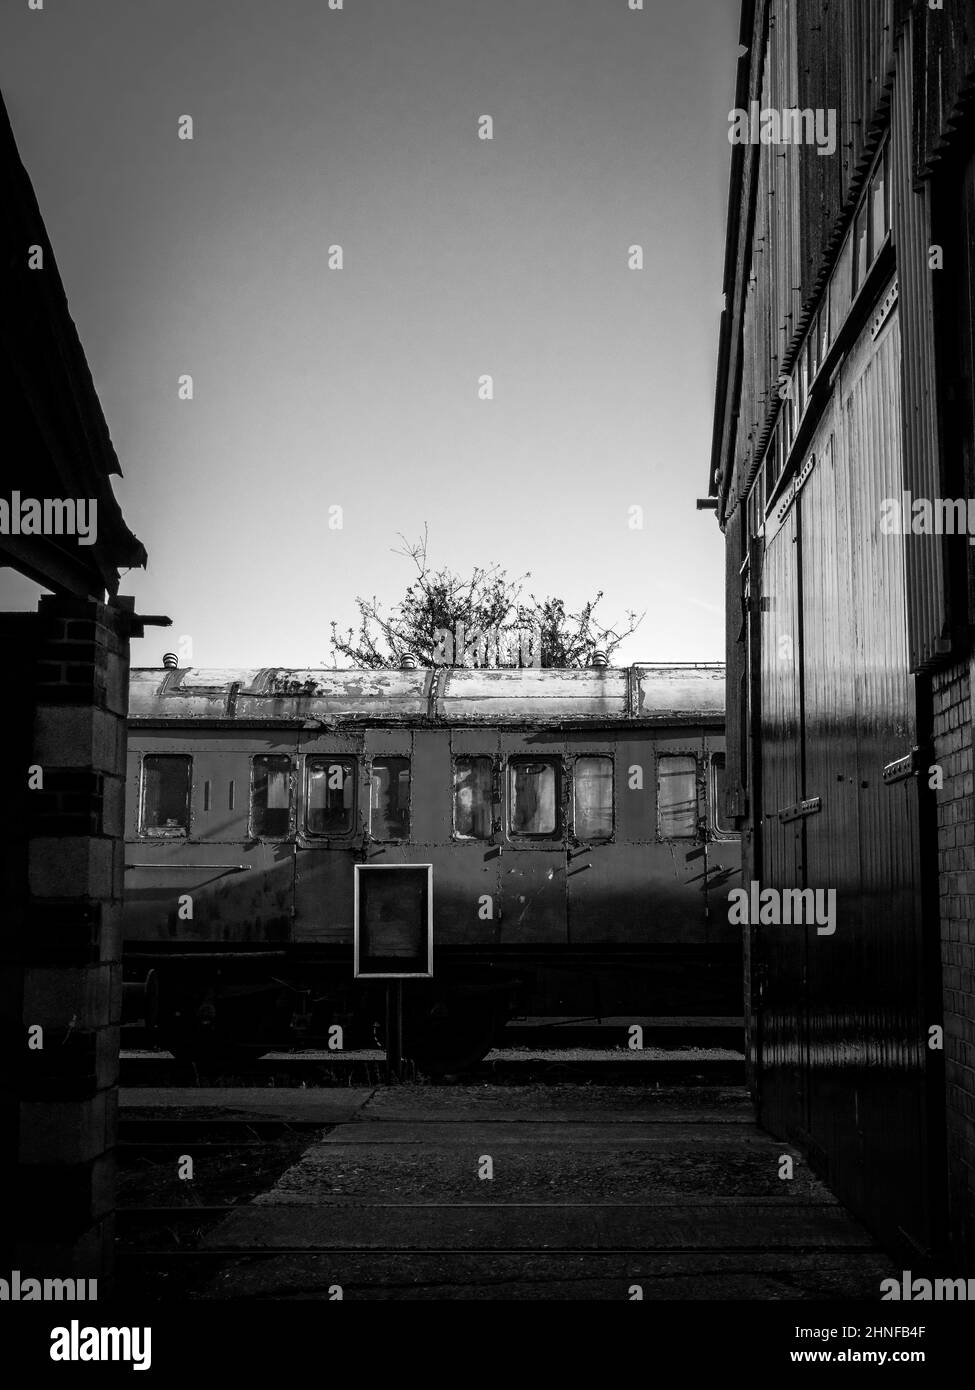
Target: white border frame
column 403, row 975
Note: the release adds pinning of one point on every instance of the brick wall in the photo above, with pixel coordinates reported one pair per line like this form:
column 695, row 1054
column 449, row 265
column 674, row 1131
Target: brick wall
column 956, row 881
column 64, row 707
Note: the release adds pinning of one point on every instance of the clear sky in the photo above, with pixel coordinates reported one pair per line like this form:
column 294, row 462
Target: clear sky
column 462, row 257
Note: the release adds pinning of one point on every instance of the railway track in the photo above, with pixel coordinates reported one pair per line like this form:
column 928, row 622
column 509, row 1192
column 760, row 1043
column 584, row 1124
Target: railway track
column 673, row 1051
column 723, row 1068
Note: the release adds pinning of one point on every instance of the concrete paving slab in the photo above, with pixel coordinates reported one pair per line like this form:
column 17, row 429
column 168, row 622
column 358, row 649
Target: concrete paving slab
column 360, row 1131
column 575, row 1276
column 612, row 1104
column 680, row 1226
column 594, row 1188
column 540, row 1171
column 335, row 1105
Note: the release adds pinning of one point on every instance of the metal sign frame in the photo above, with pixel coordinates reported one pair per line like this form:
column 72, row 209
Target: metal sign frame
column 358, row 971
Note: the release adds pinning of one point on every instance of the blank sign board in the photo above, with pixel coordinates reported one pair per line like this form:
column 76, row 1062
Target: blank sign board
column 394, row 921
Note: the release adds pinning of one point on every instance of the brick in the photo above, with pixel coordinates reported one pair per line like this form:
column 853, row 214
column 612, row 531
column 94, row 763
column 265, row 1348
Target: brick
column 74, row 1065
column 67, row 868
column 64, row 934
column 117, row 686
column 113, row 807
column 52, row 997
column 90, row 1255
column 78, row 737
column 57, row 1200
column 68, row 1131
column 70, row 803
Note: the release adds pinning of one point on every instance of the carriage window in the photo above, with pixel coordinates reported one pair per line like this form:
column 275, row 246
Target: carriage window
column 271, row 796
column 533, row 797
column 166, row 794
column 389, row 801
column 719, row 819
column 592, row 792
column 329, row 795
column 472, row 798
column 677, row 798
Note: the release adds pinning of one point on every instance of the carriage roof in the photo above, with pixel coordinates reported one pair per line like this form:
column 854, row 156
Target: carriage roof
column 442, row 695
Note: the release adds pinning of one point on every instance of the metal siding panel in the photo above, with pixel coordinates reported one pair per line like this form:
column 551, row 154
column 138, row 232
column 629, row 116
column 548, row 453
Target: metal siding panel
column 865, row 1029
column 229, row 904
column 431, row 811
column 832, row 839
column 533, row 882
column 779, row 955
column 324, row 870
column 542, row 694
column 945, row 76
column 928, row 625
column 735, row 658
column 889, row 1036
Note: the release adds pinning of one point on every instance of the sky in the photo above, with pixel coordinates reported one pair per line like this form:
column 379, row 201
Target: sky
column 358, row 387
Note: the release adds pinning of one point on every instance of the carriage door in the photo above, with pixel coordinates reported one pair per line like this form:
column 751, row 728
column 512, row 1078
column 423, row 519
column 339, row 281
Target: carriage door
column 332, row 805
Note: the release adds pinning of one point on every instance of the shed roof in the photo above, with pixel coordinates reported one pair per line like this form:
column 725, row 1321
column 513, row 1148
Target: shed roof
column 56, row 437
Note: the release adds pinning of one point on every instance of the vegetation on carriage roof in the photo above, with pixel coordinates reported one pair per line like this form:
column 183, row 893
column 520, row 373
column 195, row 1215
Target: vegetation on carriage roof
column 642, row 693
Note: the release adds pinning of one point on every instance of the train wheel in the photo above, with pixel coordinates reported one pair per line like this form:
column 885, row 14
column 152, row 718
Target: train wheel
column 221, row 1034
column 452, row 1034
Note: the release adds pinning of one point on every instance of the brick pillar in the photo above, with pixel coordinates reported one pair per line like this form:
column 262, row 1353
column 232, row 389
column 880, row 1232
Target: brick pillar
column 60, row 942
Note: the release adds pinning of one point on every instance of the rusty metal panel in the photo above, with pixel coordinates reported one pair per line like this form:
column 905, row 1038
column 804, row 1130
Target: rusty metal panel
column 533, row 882
column 273, row 693
column 335, row 695
column 634, row 787
column 218, row 884
column 542, row 695
column 432, row 774
column 467, row 898
column 606, row 882
column 927, row 610
column 152, row 693
column 696, row 692
column 467, row 873
column 448, row 695
column 323, row 906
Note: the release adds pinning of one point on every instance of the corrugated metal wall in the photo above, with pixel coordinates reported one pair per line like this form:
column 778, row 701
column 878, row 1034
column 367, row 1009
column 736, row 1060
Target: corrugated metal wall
column 736, row 695
column 778, row 960
column 944, row 73
column 867, row 1025
column 841, row 1020
column 816, row 56
column 928, row 617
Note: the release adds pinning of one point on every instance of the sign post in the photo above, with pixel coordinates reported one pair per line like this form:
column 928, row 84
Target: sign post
column 394, row 1030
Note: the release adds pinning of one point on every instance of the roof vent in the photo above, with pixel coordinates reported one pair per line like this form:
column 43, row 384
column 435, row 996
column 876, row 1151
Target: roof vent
column 171, row 661
column 599, row 658
column 408, row 663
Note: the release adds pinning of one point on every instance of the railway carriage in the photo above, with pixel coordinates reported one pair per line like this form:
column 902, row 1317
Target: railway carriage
column 580, row 865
